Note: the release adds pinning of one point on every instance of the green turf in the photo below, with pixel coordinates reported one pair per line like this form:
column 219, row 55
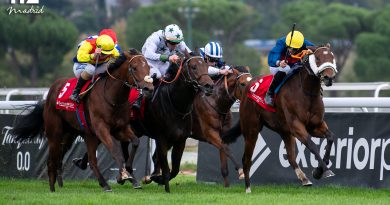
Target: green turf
column 184, row 190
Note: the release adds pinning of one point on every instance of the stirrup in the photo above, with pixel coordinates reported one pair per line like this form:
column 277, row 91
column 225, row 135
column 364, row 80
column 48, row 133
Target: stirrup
column 269, row 100
column 75, row 98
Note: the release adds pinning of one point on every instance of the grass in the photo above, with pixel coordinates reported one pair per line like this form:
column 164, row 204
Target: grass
column 184, row 190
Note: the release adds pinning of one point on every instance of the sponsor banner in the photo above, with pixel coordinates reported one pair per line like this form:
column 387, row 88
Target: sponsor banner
column 360, row 155
column 29, row 159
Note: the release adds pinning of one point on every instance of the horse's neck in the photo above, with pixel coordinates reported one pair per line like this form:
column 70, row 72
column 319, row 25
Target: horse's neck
column 223, row 100
column 116, row 90
column 310, row 84
column 182, row 94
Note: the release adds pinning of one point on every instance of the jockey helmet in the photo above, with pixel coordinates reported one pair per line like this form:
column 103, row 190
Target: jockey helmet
column 173, row 34
column 106, row 43
column 296, row 41
column 213, row 50
column 110, row 33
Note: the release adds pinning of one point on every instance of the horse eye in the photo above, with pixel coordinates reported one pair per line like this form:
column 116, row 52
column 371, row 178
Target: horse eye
column 242, row 84
column 193, row 67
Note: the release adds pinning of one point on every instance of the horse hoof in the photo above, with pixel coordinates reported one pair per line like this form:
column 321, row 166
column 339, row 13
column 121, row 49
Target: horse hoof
column 137, row 186
column 241, row 174
column 146, row 180
column 317, row 173
column 107, row 189
column 328, row 173
column 121, row 182
column 307, row 183
column 78, row 163
column 248, row 190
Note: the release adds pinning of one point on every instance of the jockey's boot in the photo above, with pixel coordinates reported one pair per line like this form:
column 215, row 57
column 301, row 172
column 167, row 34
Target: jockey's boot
column 138, row 101
column 269, row 97
column 75, row 94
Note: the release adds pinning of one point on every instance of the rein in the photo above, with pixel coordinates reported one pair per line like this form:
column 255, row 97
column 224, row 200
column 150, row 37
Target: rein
column 236, row 84
column 131, row 70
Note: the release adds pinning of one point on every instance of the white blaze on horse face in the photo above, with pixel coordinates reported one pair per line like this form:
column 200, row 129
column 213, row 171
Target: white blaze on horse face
column 318, row 69
column 248, row 79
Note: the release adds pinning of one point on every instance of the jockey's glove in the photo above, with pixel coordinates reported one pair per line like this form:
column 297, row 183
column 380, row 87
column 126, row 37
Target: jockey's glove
column 164, row 58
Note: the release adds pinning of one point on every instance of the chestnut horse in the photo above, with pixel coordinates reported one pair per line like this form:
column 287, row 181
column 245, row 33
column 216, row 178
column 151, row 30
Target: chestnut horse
column 106, row 111
column 212, row 116
column 299, row 114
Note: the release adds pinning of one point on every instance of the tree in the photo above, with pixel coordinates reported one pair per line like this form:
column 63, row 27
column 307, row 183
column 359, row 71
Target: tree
column 225, row 21
column 336, row 23
column 37, row 45
column 373, row 49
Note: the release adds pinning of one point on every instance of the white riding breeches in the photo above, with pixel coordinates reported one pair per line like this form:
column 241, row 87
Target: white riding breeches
column 78, row 68
column 274, row 70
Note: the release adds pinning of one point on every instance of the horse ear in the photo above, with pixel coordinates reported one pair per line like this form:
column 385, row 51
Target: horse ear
column 327, row 45
column 126, row 54
column 247, row 68
column 187, row 55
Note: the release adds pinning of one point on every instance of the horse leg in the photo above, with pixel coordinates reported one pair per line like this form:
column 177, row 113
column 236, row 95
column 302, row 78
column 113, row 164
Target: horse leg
column 215, row 139
column 129, row 162
column 81, row 163
column 156, row 170
column 114, row 147
column 303, row 136
column 65, row 146
column 54, row 133
column 162, row 150
column 53, row 160
column 92, row 144
column 176, row 155
column 289, row 142
column 250, row 134
column 323, row 131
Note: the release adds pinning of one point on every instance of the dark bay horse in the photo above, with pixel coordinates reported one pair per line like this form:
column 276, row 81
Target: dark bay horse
column 212, row 116
column 168, row 116
column 299, row 114
column 107, row 113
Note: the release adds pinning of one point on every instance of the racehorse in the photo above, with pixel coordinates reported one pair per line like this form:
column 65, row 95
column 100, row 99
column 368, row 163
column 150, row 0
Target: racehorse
column 212, row 116
column 107, row 116
column 167, row 116
column 168, row 113
column 299, row 114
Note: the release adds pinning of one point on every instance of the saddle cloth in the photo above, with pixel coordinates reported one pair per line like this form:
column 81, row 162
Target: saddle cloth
column 257, row 92
column 135, row 114
column 63, row 102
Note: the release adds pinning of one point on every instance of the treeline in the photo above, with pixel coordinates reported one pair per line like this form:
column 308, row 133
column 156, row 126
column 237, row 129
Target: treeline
column 36, row 49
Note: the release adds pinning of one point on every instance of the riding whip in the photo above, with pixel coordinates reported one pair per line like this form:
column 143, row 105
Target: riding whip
column 292, row 34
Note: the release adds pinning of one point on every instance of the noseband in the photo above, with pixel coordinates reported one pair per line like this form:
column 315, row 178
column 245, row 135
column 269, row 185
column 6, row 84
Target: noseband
column 232, row 97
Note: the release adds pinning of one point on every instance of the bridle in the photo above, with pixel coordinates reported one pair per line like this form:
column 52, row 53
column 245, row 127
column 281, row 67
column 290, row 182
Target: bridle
column 131, row 71
column 232, row 97
column 194, row 82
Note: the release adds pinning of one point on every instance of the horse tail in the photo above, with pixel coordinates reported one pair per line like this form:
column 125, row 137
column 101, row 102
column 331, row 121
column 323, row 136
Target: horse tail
column 30, row 125
column 232, row 134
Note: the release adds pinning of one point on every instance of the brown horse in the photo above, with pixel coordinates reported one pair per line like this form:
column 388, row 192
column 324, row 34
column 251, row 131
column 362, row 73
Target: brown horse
column 106, row 111
column 299, row 114
column 212, row 116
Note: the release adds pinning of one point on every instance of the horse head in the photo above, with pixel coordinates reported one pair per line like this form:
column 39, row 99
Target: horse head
column 322, row 63
column 139, row 70
column 238, row 80
column 196, row 72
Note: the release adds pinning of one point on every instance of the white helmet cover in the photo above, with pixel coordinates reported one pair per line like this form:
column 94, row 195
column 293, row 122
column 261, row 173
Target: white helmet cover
column 213, row 50
column 173, row 33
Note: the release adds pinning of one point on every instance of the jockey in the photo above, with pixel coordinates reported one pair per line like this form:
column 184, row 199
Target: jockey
column 212, row 55
column 92, row 51
column 161, row 49
column 283, row 55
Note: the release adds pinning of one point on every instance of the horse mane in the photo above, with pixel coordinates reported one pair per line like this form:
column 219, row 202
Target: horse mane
column 240, row 68
column 121, row 59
